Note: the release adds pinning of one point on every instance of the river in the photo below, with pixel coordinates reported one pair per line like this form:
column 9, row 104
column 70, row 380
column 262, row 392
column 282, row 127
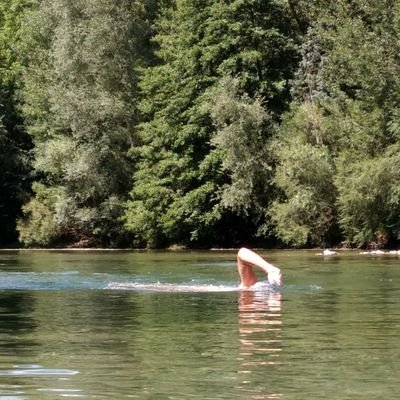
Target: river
column 173, row 325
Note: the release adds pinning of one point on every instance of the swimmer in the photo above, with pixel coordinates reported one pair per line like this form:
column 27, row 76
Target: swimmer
column 246, row 259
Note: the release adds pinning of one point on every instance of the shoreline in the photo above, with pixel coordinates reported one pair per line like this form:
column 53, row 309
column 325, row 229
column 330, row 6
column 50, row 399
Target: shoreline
column 337, row 251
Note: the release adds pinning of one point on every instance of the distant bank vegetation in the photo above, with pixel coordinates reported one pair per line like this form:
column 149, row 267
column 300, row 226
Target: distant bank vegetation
column 199, row 123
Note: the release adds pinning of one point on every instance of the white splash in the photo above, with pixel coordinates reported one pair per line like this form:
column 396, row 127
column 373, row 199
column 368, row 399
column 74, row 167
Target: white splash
column 169, row 287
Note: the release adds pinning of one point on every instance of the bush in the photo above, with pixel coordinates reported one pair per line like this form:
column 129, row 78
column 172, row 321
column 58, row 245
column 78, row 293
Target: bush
column 369, row 199
column 39, row 226
column 306, row 212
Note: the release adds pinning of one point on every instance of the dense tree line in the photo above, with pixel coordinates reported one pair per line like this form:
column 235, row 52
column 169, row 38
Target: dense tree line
column 199, row 122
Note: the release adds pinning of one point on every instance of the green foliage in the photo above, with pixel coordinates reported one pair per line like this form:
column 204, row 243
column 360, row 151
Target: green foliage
column 82, row 114
column 177, row 186
column 41, row 229
column 243, row 129
column 369, row 198
column 200, row 122
column 14, row 143
column 347, row 90
column 306, row 214
column 252, row 41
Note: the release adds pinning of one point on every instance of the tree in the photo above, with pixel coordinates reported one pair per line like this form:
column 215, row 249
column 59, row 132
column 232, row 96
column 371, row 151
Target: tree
column 243, row 128
column 81, row 116
column 347, row 101
column 14, row 142
column 305, row 213
column 176, row 191
column 369, row 198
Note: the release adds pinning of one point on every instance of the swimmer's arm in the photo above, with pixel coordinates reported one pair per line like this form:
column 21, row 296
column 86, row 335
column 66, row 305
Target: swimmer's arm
column 249, row 257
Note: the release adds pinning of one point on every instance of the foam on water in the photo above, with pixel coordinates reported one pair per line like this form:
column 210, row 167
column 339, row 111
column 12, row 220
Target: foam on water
column 262, row 286
column 169, row 287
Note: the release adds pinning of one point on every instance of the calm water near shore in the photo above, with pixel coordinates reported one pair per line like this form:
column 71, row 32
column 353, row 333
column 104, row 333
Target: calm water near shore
column 172, row 325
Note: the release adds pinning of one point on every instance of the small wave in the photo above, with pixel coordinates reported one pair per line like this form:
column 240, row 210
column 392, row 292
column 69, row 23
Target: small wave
column 169, row 287
column 315, row 287
column 38, row 371
column 262, row 286
column 172, row 287
column 301, row 288
column 57, row 390
column 53, row 281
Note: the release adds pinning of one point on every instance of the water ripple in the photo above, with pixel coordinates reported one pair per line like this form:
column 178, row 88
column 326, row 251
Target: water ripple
column 170, row 287
column 37, row 371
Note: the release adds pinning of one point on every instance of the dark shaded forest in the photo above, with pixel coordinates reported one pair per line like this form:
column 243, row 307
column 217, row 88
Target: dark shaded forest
column 199, row 123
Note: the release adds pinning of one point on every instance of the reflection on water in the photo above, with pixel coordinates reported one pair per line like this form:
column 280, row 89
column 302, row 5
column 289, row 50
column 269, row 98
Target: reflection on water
column 260, row 340
column 37, row 376
column 16, row 322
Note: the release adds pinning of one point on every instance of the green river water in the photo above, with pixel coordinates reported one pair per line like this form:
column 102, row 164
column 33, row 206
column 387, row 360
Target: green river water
column 172, row 325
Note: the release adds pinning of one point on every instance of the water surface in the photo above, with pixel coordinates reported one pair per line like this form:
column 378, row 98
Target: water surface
column 172, row 325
